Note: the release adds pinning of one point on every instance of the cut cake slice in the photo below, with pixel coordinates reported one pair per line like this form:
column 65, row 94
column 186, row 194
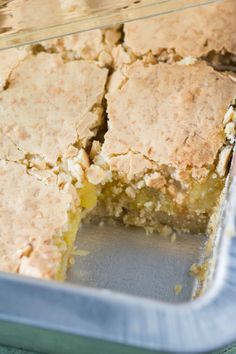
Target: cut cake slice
column 167, row 146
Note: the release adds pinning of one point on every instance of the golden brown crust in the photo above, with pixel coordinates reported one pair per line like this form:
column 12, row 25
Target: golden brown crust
column 9, row 59
column 193, row 32
column 47, row 106
column 8, row 150
column 87, row 45
column 30, row 223
column 96, row 45
column 50, row 105
column 166, row 115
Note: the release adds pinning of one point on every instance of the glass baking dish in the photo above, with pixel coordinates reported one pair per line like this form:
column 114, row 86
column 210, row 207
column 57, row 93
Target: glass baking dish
column 23, row 21
column 134, row 308
column 50, row 317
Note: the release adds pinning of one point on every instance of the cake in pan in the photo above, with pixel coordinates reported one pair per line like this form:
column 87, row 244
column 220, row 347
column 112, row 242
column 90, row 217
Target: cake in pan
column 195, row 32
column 130, row 122
column 49, row 111
column 167, row 144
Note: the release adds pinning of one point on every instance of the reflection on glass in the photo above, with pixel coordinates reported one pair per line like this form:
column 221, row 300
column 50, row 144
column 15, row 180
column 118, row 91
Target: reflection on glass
column 25, row 21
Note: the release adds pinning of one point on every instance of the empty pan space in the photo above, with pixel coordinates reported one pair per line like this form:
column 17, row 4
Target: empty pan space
column 127, row 260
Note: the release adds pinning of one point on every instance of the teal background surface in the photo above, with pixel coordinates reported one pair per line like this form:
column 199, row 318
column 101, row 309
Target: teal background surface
column 6, row 350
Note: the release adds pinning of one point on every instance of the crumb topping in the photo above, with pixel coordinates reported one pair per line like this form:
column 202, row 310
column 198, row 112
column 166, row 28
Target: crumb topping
column 155, row 180
column 50, row 109
column 224, row 158
column 30, row 221
column 9, row 60
column 193, row 32
column 96, row 45
column 87, row 45
column 178, row 289
column 182, row 115
column 50, row 105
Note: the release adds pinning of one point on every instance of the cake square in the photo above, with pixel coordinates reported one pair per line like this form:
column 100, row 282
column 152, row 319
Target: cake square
column 168, row 144
column 50, row 110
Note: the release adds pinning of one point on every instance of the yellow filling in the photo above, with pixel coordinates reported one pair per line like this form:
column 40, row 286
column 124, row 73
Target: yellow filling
column 199, row 196
column 204, row 196
column 69, row 238
column 198, row 199
column 88, row 199
column 88, row 196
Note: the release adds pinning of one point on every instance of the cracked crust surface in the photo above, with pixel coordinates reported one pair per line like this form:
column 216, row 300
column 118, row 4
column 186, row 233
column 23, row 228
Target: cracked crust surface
column 96, row 45
column 87, row 45
column 180, row 125
column 29, row 222
column 50, row 104
column 51, row 107
column 47, row 106
column 9, row 59
column 192, row 32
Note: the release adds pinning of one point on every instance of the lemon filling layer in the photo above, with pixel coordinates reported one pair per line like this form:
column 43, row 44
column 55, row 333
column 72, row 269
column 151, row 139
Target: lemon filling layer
column 88, row 199
column 69, row 239
column 146, row 207
column 188, row 209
